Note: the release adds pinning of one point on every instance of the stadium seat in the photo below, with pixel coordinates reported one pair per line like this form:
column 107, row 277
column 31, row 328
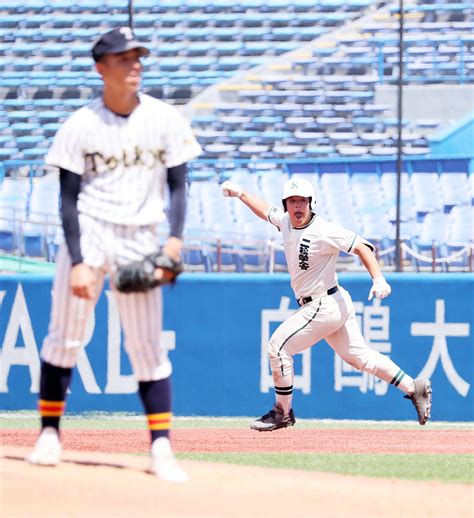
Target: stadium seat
column 426, row 192
column 433, row 229
column 461, row 225
column 196, row 257
column 454, row 189
column 8, row 232
column 33, row 240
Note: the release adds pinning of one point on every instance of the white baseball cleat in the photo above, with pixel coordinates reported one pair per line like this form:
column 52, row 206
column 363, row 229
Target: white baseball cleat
column 163, row 462
column 47, row 450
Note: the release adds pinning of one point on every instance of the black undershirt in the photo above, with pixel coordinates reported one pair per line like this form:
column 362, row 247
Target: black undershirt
column 71, row 187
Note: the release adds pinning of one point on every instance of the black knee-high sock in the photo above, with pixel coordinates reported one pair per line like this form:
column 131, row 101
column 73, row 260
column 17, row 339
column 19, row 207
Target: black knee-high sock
column 156, row 399
column 54, row 383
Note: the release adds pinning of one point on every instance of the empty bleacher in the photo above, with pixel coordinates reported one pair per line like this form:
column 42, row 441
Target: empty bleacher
column 437, row 219
column 327, row 86
column 274, row 89
column 305, row 71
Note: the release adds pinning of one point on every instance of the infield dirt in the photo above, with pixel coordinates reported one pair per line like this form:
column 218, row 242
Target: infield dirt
column 240, row 440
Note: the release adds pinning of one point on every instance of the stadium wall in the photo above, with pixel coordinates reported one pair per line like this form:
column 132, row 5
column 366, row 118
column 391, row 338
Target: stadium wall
column 216, row 327
column 457, row 140
column 447, row 103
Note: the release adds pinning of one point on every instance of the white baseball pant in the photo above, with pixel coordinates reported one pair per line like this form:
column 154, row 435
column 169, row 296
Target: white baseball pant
column 103, row 246
column 332, row 318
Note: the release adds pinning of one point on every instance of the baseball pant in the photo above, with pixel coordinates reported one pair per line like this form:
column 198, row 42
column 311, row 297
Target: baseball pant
column 332, row 318
column 103, row 246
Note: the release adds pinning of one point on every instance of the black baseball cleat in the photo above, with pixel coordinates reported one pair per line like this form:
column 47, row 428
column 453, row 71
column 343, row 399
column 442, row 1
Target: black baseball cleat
column 274, row 420
column 421, row 399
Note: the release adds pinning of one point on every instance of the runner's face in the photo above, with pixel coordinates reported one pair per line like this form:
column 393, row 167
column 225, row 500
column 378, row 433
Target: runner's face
column 299, row 210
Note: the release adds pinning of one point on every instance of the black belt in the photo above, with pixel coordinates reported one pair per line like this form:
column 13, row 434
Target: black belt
column 305, row 300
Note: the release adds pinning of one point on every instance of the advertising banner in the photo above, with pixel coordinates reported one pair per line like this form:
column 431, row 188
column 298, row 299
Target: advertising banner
column 216, row 327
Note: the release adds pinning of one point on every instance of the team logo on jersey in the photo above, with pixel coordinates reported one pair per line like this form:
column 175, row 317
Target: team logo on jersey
column 303, row 254
column 97, row 163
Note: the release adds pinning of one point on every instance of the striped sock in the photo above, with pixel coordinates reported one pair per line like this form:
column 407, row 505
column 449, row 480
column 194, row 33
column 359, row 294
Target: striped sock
column 402, row 381
column 397, row 378
column 159, row 424
column 53, row 387
column 156, row 399
column 51, row 412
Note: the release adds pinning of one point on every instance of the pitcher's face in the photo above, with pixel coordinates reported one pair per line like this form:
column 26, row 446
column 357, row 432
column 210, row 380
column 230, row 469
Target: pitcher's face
column 121, row 71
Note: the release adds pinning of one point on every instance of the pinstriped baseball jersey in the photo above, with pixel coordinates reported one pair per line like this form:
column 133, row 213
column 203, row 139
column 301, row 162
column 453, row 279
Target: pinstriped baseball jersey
column 312, row 251
column 123, row 160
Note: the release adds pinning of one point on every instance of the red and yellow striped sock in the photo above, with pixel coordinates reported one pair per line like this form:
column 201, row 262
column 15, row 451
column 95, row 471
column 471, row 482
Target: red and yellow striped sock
column 51, row 412
column 156, row 399
column 159, row 424
column 51, row 408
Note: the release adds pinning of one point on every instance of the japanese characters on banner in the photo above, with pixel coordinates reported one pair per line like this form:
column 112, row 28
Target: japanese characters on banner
column 216, row 328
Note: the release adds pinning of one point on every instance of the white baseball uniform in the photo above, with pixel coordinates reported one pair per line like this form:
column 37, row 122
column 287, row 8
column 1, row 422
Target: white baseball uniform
column 311, row 253
column 123, row 164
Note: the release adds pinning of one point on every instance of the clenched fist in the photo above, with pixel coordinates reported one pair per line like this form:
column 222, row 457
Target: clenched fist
column 232, row 190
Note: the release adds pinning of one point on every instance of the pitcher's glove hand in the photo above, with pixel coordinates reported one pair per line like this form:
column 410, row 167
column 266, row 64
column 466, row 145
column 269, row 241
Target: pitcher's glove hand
column 141, row 276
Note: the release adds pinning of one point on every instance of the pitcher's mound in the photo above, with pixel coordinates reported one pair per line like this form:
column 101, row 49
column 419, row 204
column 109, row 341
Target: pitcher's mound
column 89, row 484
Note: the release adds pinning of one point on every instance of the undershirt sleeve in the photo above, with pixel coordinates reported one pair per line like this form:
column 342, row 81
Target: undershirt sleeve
column 70, row 184
column 176, row 178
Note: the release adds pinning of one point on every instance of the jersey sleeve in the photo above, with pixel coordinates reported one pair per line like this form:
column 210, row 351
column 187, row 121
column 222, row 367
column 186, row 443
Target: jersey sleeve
column 181, row 144
column 67, row 149
column 339, row 238
column 361, row 240
column 275, row 217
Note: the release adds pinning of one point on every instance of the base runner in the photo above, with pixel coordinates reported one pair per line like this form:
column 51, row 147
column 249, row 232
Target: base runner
column 312, row 246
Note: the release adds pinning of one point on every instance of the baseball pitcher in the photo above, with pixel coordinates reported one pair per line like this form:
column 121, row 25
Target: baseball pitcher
column 117, row 157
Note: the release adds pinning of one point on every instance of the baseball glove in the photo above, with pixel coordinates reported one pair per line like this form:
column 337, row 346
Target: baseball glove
column 139, row 276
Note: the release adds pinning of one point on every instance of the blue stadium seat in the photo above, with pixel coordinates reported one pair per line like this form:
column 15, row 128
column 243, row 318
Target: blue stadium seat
column 13, row 20
column 231, row 63
column 196, row 257
column 171, row 64
column 63, row 21
column 8, row 237
column 21, row 129
column 217, row 150
column 51, row 116
column 252, row 150
column 318, row 151
column 34, row 153
column 242, row 136
column 33, row 242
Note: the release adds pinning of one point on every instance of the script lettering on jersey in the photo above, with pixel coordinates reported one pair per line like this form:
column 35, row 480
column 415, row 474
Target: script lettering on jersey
column 303, row 254
column 98, row 163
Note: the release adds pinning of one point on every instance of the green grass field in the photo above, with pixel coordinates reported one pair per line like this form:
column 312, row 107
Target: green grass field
column 453, row 468
column 444, row 468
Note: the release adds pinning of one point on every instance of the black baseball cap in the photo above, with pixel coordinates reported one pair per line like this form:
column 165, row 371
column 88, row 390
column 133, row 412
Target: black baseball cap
column 116, row 41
